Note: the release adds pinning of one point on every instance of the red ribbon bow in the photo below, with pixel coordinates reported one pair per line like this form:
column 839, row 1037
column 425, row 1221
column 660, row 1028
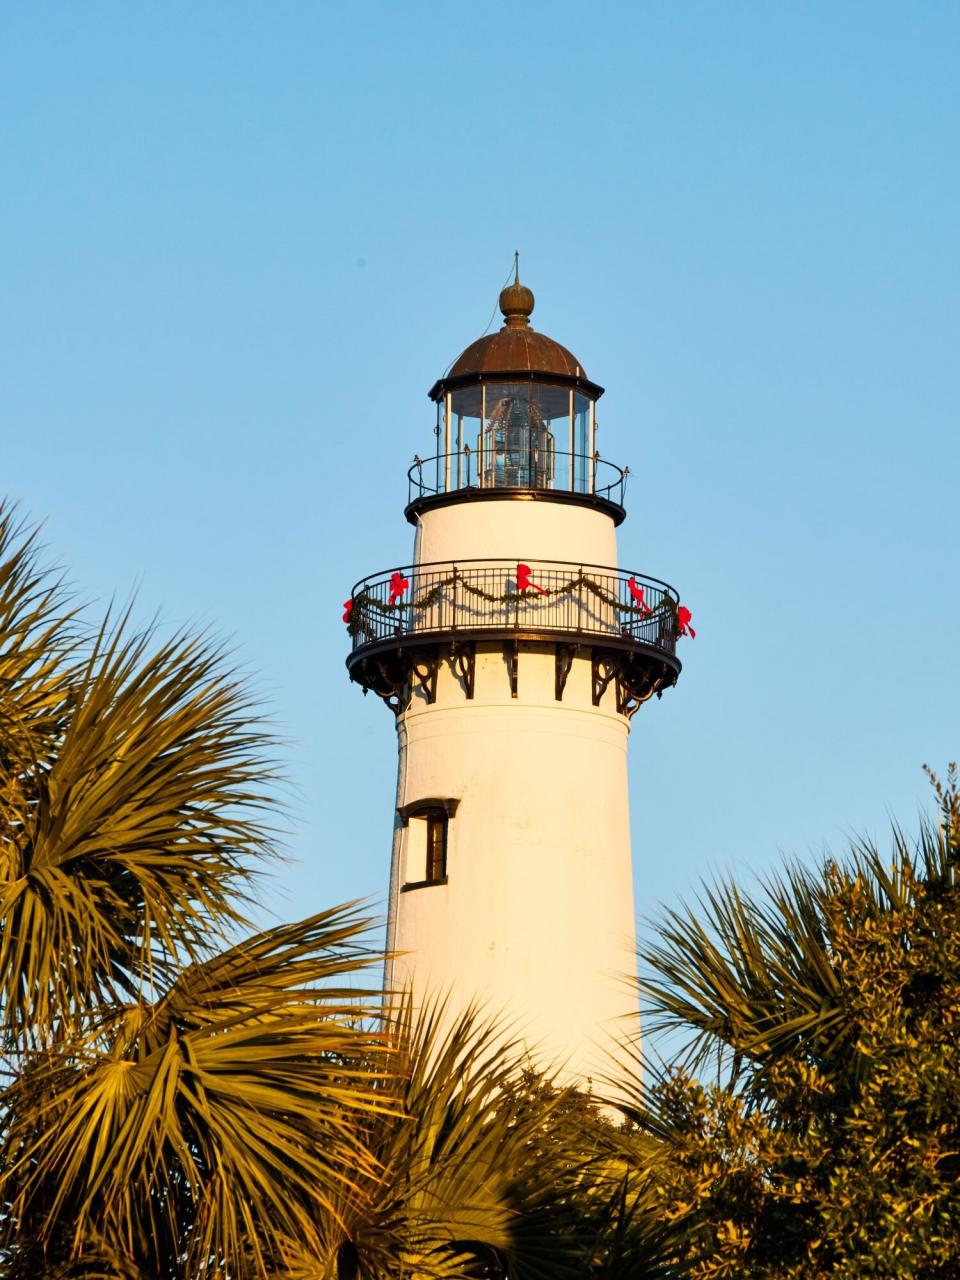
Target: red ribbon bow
column 398, row 586
column 523, row 580
column 683, row 621
column 637, row 592
column 347, row 609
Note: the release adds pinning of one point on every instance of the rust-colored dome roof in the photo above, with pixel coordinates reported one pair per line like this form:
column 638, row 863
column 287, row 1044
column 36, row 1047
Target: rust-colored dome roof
column 515, row 349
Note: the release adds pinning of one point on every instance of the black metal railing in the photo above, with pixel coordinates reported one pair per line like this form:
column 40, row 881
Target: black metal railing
column 567, row 473
column 504, row 596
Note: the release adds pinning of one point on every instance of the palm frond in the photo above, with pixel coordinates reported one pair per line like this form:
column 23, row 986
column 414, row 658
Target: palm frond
column 134, row 845
column 748, row 979
column 447, row 1203
column 745, row 977
column 38, row 638
column 220, row 1120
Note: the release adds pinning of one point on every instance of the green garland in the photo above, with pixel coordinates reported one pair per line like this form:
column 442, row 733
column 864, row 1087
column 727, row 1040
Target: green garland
column 666, row 606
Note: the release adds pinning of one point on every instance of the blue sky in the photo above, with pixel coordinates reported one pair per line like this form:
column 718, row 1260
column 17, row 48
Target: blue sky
column 239, row 242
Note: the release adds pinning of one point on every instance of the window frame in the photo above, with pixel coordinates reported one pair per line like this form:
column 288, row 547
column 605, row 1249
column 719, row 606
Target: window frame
column 437, row 814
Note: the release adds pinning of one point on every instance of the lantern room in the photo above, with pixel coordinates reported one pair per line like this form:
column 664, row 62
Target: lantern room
column 516, row 411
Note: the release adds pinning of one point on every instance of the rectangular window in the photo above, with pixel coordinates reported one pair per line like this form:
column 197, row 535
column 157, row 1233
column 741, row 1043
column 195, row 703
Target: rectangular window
column 436, row 846
column 424, row 847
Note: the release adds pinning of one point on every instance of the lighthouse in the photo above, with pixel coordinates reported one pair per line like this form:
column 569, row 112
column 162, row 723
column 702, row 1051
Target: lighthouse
column 514, row 653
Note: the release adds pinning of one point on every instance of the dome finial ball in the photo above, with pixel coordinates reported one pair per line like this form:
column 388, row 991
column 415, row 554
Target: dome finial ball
column 516, row 300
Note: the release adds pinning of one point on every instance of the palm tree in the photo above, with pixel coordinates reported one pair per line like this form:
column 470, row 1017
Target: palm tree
column 746, row 980
column 809, row 1120
column 181, row 1096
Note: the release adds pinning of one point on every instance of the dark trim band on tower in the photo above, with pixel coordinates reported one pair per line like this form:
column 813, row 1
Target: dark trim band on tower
column 415, row 509
column 579, row 382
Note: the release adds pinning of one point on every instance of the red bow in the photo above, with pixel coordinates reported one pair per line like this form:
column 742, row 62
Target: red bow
column 637, row 592
column 347, row 609
column 398, row 586
column 523, row 580
column 683, row 621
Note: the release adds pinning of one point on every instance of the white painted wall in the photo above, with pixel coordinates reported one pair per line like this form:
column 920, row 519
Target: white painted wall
column 536, row 920
column 517, row 529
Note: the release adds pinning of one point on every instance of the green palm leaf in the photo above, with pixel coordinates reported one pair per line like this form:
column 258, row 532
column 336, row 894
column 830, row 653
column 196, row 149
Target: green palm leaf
column 747, row 980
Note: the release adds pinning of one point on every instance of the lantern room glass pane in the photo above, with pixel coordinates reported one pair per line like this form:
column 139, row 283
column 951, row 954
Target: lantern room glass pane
column 525, row 433
column 582, row 462
column 518, row 435
column 465, row 408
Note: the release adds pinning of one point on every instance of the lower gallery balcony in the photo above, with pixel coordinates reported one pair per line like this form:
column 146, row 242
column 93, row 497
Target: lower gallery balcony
column 405, row 622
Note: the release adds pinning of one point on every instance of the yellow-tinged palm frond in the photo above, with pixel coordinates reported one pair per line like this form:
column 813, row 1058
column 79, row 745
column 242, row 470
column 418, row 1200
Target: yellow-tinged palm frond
column 38, row 637
column 455, row 1168
column 132, row 845
column 207, row 1127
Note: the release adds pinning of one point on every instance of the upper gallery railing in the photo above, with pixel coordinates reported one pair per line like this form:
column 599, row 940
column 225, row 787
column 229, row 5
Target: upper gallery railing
column 504, row 596
column 559, row 472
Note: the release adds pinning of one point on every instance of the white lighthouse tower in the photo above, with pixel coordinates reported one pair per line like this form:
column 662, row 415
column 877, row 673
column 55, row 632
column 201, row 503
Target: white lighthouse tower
column 514, row 653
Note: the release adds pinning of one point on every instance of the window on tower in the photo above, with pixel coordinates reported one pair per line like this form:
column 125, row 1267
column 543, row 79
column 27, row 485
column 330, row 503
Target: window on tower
column 424, row 843
column 436, row 846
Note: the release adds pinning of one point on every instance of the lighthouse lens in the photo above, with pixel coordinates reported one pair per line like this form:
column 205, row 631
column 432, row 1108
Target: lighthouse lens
column 519, row 434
